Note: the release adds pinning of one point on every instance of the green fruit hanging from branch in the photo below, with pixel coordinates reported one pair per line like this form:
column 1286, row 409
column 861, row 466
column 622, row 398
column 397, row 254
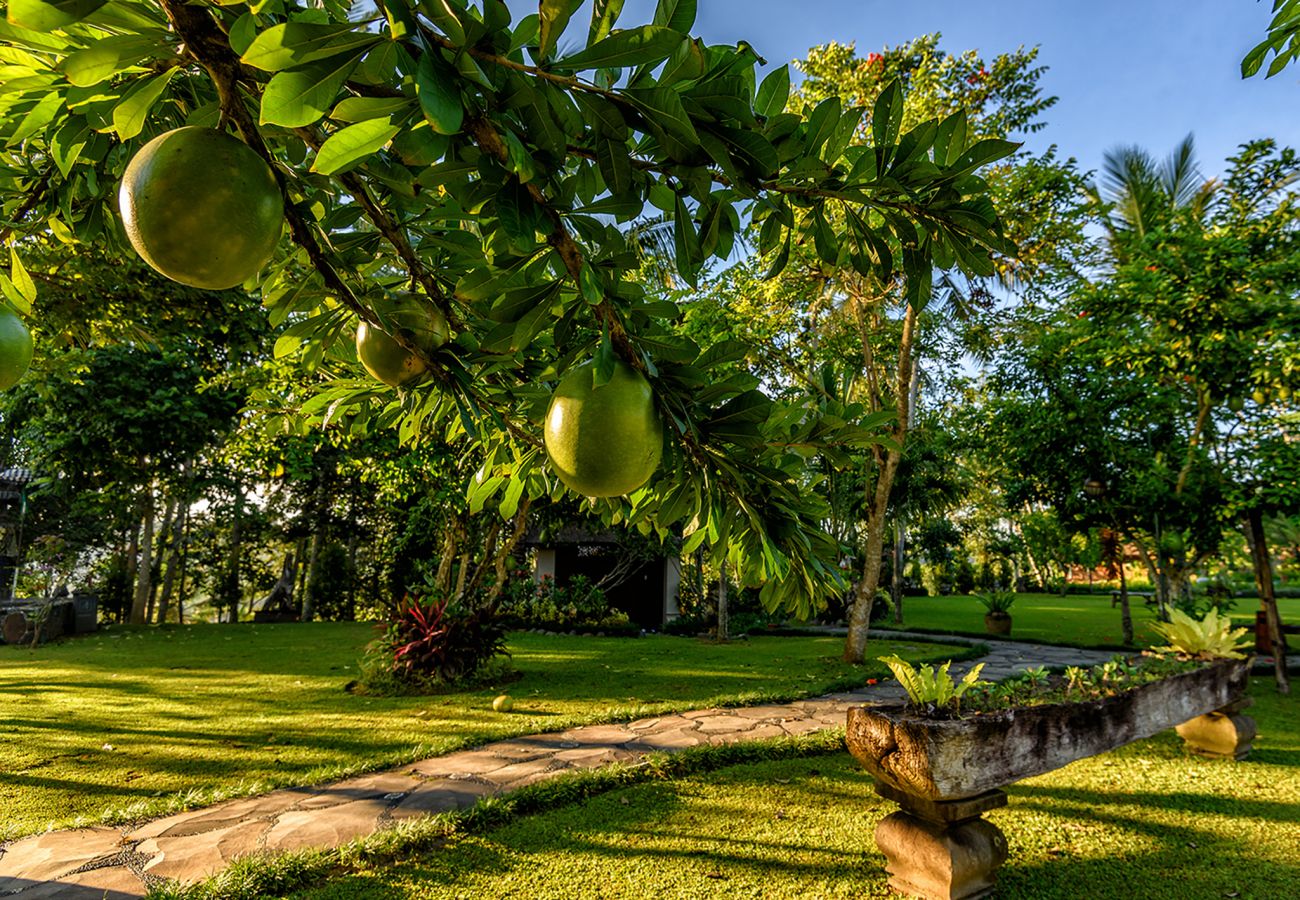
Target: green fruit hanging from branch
column 15, row 349
column 201, row 208
column 604, row 441
column 386, row 359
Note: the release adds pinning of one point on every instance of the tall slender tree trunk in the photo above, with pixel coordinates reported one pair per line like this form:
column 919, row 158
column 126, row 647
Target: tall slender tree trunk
column 233, row 587
column 1264, row 582
column 172, row 562
column 160, row 558
column 144, row 571
column 855, row 644
column 1126, row 613
column 723, row 618
column 900, row 537
column 184, row 564
column 132, row 567
column 320, row 524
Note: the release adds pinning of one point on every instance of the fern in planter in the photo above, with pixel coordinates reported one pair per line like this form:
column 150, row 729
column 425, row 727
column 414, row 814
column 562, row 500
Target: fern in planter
column 997, row 603
column 928, row 686
column 1212, row 637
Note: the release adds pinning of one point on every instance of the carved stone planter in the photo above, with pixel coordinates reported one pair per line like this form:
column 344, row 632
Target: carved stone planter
column 945, row 773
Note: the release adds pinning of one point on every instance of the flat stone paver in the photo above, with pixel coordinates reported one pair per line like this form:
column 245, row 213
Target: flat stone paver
column 116, row 863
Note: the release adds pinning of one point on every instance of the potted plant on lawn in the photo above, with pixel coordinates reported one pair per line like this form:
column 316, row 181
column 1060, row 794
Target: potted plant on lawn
column 997, row 606
column 945, row 755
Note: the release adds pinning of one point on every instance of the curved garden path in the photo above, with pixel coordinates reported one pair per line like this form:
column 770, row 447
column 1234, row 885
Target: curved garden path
column 117, row 863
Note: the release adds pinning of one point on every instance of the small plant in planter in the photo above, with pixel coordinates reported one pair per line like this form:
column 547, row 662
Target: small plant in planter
column 997, row 606
column 932, row 689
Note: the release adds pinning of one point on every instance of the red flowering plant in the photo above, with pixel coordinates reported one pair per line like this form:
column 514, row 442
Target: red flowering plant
column 436, row 642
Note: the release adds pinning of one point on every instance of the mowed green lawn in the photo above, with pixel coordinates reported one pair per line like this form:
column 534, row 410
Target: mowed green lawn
column 1078, row 620
column 1146, row 821
column 130, row 723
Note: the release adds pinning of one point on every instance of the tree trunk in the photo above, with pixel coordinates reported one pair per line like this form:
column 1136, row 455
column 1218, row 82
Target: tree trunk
column 233, row 590
column 144, row 571
column 855, row 644
column 171, row 562
column 1126, row 614
column 1264, row 582
column 313, row 579
column 899, row 547
column 160, row 559
column 723, row 624
column 184, row 564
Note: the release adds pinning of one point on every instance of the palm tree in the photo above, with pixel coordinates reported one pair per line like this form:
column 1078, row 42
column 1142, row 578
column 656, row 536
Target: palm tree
column 1140, row 194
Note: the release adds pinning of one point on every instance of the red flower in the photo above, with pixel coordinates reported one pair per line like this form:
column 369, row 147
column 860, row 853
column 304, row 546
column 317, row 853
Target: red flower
column 1153, row 268
column 872, row 681
column 873, row 58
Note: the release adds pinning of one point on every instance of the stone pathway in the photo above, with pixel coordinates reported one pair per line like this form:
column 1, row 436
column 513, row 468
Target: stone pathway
column 119, row 863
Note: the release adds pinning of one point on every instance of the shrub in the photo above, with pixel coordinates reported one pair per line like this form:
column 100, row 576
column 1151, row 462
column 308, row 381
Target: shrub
column 436, row 643
column 578, row 605
column 1212, row 637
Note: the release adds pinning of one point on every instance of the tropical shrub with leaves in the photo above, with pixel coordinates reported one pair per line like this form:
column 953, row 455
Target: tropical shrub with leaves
column 930, row 687
column 1211, row 637
column 437, row 642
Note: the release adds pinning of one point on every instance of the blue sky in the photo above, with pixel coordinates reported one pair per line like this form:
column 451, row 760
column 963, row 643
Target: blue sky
column 1141, row 71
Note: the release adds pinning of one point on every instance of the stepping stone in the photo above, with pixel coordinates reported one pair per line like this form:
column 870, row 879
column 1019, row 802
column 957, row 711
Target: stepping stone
column 301, row 829
column 109, row 883
column 196, row 856
column 443, row 795
column 47, row 856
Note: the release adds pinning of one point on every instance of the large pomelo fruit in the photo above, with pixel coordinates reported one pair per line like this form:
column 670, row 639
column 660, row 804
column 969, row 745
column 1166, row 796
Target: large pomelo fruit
column 388, row 360
column 201, row 207
column 15, row 349
column 603, row 441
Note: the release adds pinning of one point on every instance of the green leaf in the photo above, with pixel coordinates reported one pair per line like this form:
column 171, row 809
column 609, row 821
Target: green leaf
column 686, row 243
column 350, row 146
column 21, row 280
column 48, row 15
column 603, row 370
column 645, row 45
column 615, row 166
column 773, row 93
column 589, row 284
column 129, row 115
column 603, row 116
column 106, row 57
column 663, row 108
column 980, row 154
column 298, row 43
column 821, row 125
column 40, row 115
column 444, row 16
column 435, row 85
column 887, row 115
column 604, row 13
column 518, row 214
column 950, row 140
column 553, row 18
column 302, row 96
column 361, row 109
column 678, row 15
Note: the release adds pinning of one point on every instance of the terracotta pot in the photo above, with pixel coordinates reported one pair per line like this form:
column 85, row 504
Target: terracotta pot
column 997, row 623
column 950, row 759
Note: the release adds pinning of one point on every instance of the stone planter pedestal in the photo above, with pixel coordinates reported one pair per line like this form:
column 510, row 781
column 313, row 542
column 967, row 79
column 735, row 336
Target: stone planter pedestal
column 1222, row 734
column 941, row 848
column 946, row 773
